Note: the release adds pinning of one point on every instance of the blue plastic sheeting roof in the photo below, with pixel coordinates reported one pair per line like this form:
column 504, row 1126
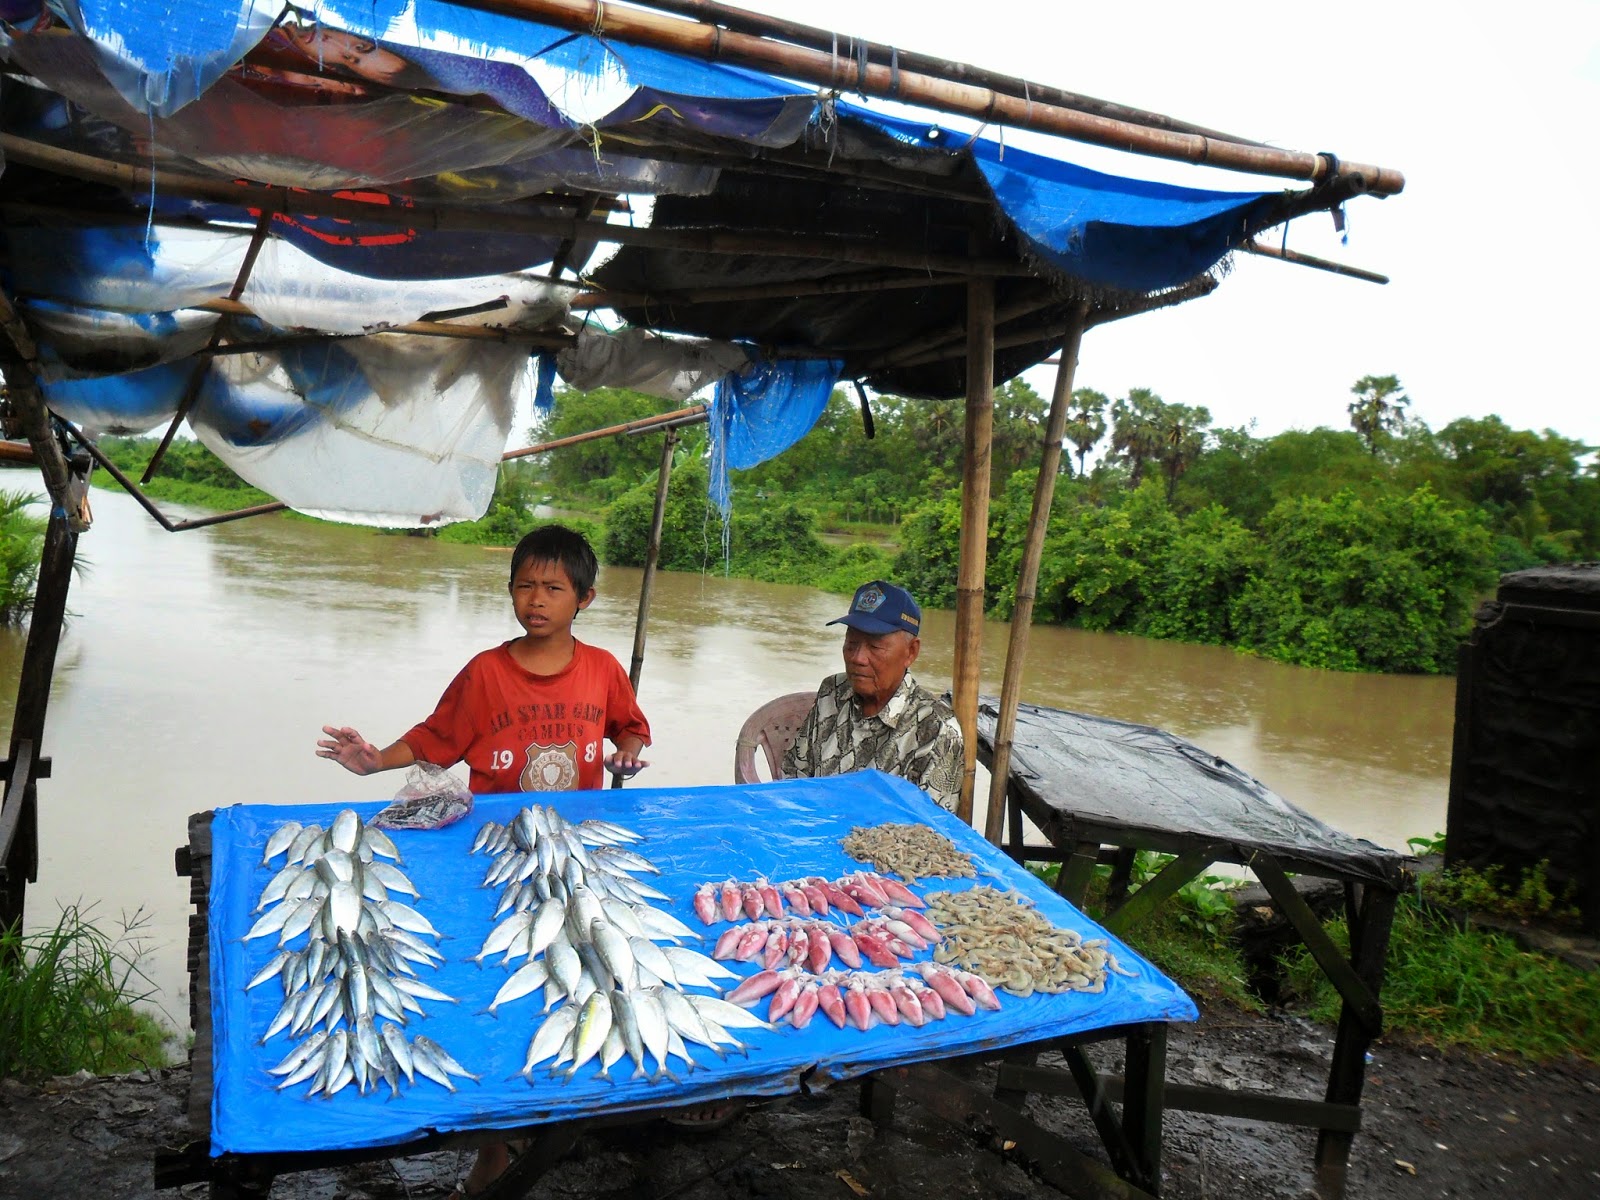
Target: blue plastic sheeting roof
column 1107, row 231
column 694, row 835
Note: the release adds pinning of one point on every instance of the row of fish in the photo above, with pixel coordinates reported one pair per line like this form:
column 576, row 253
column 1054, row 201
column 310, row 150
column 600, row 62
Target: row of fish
column 657, row 1021
column 999, row 935
column 812, row 896
column 910, row 851
column 580, row 916
column 348, row 991
column 864, row 999
column 884, row 940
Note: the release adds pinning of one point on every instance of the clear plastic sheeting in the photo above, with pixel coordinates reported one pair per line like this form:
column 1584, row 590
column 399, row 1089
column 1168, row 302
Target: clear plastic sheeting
column 778, row 830
column 671, row 368
column 78, row 343
column 1137, row 777
column 398, row 431
column 134, row 404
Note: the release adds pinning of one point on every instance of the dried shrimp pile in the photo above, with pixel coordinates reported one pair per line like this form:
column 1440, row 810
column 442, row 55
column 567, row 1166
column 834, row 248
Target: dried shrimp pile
column 999, row 936
column 909, row 851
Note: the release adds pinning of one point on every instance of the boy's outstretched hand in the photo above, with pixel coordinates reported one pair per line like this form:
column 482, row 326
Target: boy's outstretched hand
column 350, row 750
column 625, row 760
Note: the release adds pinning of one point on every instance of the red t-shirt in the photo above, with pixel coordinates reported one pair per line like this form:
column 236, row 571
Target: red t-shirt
column 521, row 732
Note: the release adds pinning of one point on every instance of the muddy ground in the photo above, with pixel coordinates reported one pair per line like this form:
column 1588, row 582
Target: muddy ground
column 1435, row 1124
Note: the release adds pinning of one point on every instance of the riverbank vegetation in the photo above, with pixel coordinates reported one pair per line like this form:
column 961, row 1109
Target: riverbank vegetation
column 21, row 542
column 1446, row 982
column 68, row 1000
column 1357, row 549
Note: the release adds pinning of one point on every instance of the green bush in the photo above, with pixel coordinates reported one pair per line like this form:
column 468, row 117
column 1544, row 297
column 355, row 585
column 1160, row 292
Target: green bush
column 1469, row 988
column 21, row 542
column 67, row 1000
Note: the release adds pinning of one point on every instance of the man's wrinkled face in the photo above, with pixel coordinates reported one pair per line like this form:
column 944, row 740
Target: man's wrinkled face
column 877, row 662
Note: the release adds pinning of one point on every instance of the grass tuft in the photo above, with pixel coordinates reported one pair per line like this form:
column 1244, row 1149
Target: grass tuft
column 1468, row 987
column 68, row 997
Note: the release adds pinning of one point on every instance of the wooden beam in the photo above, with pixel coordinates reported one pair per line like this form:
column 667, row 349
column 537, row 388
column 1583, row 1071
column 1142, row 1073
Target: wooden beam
column 1282, row 254
column 1044, row 490
column 25, row 403
column 976, row 441
column 841, row 73
column 760, row 25
column 693, row 415
column 138, row 179
column 873, row 281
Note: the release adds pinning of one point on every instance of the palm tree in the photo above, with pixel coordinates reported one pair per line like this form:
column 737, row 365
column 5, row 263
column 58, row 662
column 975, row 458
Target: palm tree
column 1136, row 433
column 1086, row 424
column 1378, row 409
column 1183, row 437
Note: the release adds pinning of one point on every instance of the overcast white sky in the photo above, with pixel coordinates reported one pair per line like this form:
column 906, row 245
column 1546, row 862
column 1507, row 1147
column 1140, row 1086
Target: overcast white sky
column 1493, row 247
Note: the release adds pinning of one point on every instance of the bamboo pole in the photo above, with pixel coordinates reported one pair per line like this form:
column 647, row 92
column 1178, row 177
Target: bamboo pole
column 1311, row 260
column 138, row 180
column 201, row 364
column 870, row 281
column 25, row 404
column 760, row 25
column 976, row 440
column 693, row 415
column 652, row 556
column 1028, row 576
column 840, row 73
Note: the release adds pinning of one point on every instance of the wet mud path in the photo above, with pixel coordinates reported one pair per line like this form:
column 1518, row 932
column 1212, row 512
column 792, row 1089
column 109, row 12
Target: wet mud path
column 1435, row 1124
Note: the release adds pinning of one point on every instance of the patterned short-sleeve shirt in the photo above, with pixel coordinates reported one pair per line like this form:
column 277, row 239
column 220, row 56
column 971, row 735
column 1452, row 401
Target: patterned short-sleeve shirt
column 914, row 735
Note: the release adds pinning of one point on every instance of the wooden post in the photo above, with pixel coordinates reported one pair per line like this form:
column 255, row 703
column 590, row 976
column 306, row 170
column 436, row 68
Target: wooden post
column 1028, row 574
column 652, row 555
column 19, row 822
column 974, row 527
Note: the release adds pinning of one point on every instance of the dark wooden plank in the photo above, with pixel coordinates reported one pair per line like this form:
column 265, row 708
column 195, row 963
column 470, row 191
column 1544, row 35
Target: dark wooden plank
column 200, row 1053
column 1156, row 892
column 877, row 1101
column 1106, row 1121
column 1077, row 871
column 1357, row 997
column 1143, row 1091
column 1369, row 942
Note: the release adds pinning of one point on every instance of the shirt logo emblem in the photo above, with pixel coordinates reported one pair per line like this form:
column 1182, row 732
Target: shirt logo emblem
column 551, row 768
column 869, row 600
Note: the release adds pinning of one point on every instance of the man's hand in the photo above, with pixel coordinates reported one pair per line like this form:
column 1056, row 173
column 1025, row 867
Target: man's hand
column 350, row 750
column 625, row 760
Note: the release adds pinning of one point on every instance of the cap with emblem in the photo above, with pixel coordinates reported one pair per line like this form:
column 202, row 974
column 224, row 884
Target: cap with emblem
column 880, row 607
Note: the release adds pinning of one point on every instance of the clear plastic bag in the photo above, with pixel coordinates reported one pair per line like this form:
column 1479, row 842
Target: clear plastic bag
column 431, row 799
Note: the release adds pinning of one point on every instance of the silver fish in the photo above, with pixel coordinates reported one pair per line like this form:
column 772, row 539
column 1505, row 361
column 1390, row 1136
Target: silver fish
column 676, row 1048
column 614, row 951
column 415, row 987
column 686, row 960
column 529, row 978
column 718, row 1011
column 442, row 1057
column 617, row 858
column 610, row 1052
column 564, row 965
column 278, row 886
column 550, row 1037
column 653, row 1028
column 393, row 878
column 651, row 958
column 308, row 836
column 336, row 866
column 502, row 935
column 300, row 919
column 273, row 968
column 282, row 838
column 408, row 918
column 399, row 1050
column 622, row 1014
column 272, row 922
column 345, row 832
column 594, row 1023
column 683, row 1017
column 660, row 925
column 486, row 833
column 424, row 1064
column 379, row 843
column 310, row 1065
column 623, row 917
column 344, row 906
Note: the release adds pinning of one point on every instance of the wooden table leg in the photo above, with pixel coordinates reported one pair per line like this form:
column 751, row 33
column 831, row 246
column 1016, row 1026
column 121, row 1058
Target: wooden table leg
column 877, row 1101
column 1143, row 1100
column 1369, row 948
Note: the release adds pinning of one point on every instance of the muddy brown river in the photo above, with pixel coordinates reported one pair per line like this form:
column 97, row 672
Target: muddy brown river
column 199, row 667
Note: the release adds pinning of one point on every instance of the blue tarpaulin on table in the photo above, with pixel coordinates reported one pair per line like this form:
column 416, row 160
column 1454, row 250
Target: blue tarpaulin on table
column 780, row 830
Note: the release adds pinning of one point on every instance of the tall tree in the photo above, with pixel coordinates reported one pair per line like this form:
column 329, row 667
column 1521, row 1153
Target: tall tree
column 1183, row 429
column 1136, row 432
column 1086, row 423
column 1379, row 408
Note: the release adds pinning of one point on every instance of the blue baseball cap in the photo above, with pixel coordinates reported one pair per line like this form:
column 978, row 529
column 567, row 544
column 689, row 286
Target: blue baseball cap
column 880, row 607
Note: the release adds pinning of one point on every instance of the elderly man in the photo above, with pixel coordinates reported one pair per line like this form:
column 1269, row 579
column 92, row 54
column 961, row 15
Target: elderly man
column 875, row 714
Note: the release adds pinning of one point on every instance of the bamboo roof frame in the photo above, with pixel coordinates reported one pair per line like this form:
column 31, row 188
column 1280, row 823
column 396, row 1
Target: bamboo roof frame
column 1051, row 314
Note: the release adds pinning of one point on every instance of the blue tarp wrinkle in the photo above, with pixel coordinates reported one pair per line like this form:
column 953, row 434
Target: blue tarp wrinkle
column 761, row 411
column 694, row 835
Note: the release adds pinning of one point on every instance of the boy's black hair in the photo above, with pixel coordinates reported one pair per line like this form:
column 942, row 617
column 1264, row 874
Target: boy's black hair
column 558, row 544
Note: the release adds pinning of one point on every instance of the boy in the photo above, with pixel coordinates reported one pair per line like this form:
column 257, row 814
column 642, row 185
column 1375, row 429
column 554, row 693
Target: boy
column 528, row 715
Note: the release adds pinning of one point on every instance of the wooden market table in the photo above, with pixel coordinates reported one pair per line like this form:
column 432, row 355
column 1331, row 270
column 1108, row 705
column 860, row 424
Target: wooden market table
column 1102, row 790
column 948, row 1086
